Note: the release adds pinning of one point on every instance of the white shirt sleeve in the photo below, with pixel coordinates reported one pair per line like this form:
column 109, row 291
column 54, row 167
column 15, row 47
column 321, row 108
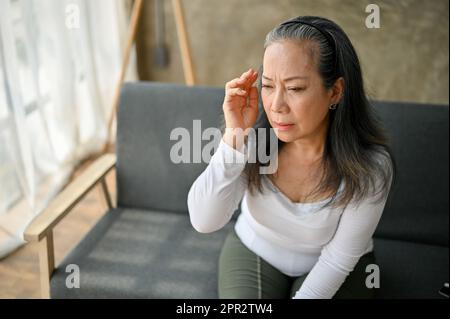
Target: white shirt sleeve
column 216, row 193
column 339, row 257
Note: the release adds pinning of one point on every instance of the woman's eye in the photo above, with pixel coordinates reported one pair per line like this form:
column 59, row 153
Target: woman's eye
column 296, row 89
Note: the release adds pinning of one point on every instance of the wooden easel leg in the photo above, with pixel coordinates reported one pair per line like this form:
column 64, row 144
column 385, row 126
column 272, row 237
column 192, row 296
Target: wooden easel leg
column 135, row 16
column 184, row 43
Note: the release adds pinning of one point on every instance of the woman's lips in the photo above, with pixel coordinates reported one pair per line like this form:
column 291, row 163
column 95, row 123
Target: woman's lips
column 282, row 126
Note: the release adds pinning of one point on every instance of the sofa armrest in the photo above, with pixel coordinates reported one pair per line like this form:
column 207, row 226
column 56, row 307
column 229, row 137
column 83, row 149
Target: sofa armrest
column 69, row 197
column 40, row 230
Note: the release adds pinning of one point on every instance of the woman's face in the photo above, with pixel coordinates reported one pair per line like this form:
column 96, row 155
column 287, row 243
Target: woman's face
column 293, row 95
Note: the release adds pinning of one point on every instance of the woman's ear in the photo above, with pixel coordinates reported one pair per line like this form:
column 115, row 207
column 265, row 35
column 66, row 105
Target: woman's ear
column 337, row 90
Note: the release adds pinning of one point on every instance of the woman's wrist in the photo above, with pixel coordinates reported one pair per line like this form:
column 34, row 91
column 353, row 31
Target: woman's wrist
column 234, row 137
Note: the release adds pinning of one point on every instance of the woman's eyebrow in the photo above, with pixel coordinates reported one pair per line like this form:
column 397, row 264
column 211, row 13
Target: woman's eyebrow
column 289, row 78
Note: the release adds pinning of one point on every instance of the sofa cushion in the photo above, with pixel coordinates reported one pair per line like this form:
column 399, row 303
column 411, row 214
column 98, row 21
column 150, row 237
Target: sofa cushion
column 417, row 209
column 146, row 176
column 143, row 254
column 410, row 270
column 153, row 254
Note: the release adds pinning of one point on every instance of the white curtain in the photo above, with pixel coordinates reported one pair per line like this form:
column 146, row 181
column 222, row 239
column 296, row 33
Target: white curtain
column 59, row 63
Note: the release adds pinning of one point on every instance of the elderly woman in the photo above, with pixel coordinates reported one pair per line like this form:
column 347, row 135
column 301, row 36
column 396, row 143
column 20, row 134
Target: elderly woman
column 306, row 230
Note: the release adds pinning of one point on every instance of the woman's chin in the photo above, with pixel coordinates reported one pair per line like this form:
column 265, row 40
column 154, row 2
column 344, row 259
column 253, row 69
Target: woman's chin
column 284, row 136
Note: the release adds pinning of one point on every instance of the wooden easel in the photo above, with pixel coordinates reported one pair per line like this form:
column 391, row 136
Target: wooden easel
column 183, row 42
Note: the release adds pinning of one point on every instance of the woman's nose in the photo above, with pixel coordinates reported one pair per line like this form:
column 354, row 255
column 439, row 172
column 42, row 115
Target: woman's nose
column 278, row 104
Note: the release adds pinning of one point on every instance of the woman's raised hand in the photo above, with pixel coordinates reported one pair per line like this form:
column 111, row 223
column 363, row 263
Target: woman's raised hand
column 240, row 106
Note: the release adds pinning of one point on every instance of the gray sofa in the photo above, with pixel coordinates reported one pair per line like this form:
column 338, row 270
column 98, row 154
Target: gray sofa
column 147, row 248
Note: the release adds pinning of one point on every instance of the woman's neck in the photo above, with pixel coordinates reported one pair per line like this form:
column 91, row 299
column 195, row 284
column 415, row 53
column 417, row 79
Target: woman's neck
column 308, row 149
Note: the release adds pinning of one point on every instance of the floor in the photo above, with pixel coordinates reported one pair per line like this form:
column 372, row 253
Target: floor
column 19, row 272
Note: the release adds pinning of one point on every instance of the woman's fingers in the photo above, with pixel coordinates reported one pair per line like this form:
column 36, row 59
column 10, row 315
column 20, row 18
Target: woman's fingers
column 237, row 91
column 241, row 101
column 252, row 78
column 244, row 81
column 249, row 80
column 253, row 98
column 240, row 81
column 234, row 83
column 230, row 93
column 251, row 112
column 253, row 93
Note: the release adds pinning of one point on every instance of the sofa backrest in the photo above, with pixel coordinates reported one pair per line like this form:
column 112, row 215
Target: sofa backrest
column 148, row 114
column 417, row 209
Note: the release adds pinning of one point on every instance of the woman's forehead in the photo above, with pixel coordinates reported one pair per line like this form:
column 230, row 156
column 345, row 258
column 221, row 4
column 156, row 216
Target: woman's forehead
column 289, row 57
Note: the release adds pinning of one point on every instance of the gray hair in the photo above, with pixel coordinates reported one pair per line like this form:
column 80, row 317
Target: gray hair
column 301, row 33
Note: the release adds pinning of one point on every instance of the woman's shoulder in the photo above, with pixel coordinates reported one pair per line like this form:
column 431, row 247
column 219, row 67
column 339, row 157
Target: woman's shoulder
column 382, row 157
column 383, row 170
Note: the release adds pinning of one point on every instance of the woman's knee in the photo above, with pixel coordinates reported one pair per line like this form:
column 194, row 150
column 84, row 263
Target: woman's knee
column 245, row 275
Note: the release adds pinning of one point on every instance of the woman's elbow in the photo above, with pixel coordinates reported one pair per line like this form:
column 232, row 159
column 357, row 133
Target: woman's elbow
column 205, row 218
column 203, row 228
column 196, row 215
column 203, row 223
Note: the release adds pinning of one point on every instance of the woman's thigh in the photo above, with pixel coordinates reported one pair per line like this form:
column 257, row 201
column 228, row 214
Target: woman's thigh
column 354, row 286
column 244, row 275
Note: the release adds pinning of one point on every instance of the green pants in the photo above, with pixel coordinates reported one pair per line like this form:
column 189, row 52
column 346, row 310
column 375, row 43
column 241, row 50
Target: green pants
column 244, row 275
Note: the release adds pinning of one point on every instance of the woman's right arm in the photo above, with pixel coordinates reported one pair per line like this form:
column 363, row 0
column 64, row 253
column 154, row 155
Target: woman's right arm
column 216, row 193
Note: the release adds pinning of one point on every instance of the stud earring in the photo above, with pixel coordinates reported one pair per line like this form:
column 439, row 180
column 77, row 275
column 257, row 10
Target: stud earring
column 333, row 106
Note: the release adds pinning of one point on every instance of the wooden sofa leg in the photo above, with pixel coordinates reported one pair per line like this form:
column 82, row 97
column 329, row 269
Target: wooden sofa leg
column 46, row 263
column 106, row 195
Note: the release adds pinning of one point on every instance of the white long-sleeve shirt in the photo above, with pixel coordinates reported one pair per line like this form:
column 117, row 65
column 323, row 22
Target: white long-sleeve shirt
column 295, row 238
